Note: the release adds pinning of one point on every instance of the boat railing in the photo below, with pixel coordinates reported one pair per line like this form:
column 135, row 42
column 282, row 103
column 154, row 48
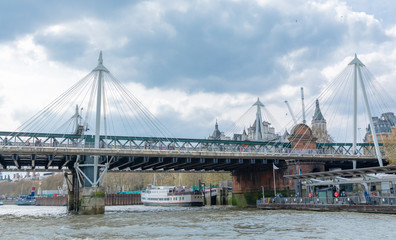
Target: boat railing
column 171, row 193
column 351, row 200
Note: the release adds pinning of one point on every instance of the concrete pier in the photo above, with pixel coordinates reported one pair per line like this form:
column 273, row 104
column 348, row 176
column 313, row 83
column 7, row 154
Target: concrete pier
column 92, row 201
column 87, row 200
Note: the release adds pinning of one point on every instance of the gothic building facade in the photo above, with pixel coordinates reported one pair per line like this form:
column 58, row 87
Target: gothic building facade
column 319, row 125
column 217, row 135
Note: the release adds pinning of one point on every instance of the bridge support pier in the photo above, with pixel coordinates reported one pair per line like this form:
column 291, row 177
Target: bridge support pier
column 85, row 200
column 91, row 196
column 248, row 184
column 92, row 200
column 73, row 192
column 85, row 195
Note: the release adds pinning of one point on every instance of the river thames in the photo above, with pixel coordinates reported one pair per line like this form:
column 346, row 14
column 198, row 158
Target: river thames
column 141, row 222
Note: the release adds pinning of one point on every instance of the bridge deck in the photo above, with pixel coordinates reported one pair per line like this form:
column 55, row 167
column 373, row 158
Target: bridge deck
column 61, row 158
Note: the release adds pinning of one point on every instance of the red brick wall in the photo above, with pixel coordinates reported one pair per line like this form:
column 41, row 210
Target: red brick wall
column 252, row 180
column 301, row 137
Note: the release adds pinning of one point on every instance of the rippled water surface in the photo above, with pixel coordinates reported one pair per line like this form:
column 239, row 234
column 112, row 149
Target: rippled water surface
column 140, row 222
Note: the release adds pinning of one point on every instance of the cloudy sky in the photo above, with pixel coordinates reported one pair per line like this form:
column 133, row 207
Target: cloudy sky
column 191, row 62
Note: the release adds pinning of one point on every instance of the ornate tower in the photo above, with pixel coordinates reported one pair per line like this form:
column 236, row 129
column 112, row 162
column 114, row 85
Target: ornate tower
column 216, row 135
column 319, row 127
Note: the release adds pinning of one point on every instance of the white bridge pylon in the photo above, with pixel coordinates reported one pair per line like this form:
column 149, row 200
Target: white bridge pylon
column 259, row 120
column 100, row 69
column 357, row 74
column 106, row 87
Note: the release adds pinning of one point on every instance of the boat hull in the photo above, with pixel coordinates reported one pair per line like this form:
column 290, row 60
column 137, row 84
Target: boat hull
column 26, row 202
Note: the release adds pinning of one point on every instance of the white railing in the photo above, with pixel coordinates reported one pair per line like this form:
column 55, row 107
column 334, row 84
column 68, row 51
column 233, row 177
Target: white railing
column 231, row 148
column 352, row 200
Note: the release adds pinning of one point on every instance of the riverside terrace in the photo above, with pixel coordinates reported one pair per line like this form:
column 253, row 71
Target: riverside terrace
column 58, row 152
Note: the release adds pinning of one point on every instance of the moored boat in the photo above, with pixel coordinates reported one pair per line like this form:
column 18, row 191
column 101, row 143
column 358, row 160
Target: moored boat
column 27, row 200
column 171, row 196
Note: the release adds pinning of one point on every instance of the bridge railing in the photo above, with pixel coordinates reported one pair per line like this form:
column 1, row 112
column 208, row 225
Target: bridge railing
column 274, row 152
column 180, row 145
column 350, row 200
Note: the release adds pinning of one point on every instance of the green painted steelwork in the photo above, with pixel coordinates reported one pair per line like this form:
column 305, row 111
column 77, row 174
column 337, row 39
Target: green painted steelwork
column 91, row 138
column 48, row 151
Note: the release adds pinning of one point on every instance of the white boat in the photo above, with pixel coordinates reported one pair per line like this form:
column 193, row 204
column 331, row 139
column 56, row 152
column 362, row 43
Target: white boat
column 1, row 203
column 171, row 196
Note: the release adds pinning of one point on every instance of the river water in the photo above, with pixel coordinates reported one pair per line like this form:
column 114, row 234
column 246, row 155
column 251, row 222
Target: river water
column 141, row 222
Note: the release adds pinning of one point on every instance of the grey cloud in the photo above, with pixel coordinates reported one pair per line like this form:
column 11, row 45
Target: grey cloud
column 224, row 47
column 232, row 47
column 65, row 49
column 20, row 17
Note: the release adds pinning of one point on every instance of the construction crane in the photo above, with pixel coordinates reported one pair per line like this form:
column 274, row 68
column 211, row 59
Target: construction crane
column 291, row 112
column 303, row 106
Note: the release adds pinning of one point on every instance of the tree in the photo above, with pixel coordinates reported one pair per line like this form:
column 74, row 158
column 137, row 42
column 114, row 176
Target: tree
column 118, row 181
column 390, row 152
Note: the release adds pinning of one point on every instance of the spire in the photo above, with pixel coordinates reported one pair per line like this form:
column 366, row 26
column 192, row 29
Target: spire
column 100, row 59
column 216, row 133
column 318, row 114
column 356, row 61
column 258, row 103
column 100, row 66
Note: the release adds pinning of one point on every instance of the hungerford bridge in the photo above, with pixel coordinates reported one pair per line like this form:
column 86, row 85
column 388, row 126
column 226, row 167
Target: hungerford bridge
column 85, row 159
